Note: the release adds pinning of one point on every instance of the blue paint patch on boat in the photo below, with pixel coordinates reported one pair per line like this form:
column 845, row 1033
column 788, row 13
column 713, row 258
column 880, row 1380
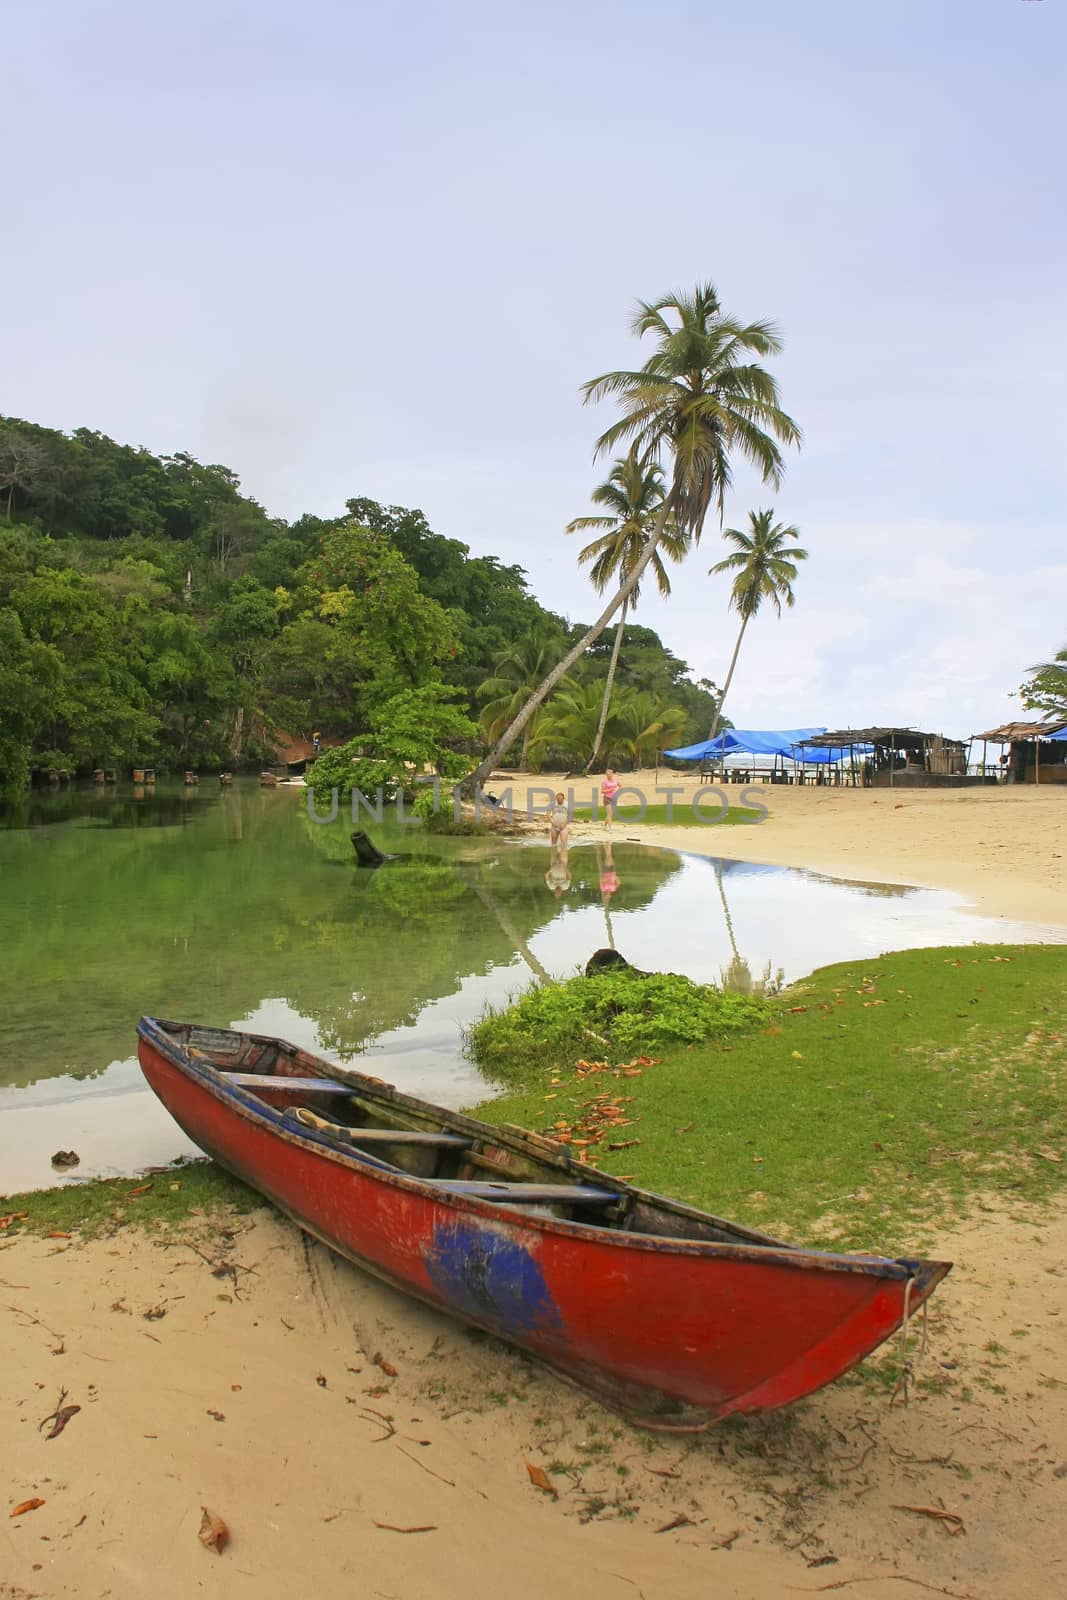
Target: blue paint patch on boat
column 491, row 1277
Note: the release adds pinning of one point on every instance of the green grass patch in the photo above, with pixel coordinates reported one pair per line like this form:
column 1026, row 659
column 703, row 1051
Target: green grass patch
column 678, row 815
column 173, row 1197
column 619, row 1011
column 872, row 1104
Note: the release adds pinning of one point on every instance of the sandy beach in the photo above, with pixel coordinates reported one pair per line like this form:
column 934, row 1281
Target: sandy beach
column 357, row 1443
column 354, row 1442
column 1003, row 849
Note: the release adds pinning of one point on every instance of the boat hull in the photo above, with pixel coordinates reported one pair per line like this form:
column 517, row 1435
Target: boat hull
column 673, row 1334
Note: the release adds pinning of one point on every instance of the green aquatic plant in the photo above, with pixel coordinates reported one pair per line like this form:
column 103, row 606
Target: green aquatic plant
column 617, row 1012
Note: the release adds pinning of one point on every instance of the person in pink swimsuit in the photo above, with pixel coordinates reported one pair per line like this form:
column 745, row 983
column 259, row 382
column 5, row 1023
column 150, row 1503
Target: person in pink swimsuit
column 609, row 789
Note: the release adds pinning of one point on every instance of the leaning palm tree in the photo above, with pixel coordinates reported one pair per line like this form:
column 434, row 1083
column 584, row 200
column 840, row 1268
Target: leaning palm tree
column 698, row 401
column 632, row 496
column 764, row 565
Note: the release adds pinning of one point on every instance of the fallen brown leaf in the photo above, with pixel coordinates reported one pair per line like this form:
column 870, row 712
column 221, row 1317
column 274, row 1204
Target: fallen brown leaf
column 214, row 1534
column 142, row 1189
column 680, row 1521
column 386, row 1366
column 26, row 1505
column 540, row 1480
column 60, row 1420
column 58, row 1235
column 391, row 1527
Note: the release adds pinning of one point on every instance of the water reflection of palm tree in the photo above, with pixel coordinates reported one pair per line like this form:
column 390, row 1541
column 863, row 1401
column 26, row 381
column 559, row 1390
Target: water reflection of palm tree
column 738, row 976
column 609, row 883
column 508, row 928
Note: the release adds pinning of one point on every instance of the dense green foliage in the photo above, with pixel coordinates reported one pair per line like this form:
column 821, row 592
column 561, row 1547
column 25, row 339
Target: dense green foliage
column 414, row 734
column 152, row 614
column 618, row 1010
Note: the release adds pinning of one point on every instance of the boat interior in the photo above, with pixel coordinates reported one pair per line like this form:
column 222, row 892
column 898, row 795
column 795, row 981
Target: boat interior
column 397, row 1132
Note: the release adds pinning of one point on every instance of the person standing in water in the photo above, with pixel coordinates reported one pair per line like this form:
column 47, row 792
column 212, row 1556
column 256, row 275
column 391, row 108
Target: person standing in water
column 609, row 789
column 558, row 822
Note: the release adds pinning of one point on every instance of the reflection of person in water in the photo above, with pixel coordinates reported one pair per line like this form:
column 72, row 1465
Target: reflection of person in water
column 558, row 876
column 609, row 880
column 609, row 883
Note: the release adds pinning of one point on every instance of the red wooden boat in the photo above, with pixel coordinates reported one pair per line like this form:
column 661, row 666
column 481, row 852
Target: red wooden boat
column 669, row 1315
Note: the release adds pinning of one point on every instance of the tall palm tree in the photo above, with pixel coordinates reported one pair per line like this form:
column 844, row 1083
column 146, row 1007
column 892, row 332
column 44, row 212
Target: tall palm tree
column 698, row 401
column 764, row 564
column 632, row 495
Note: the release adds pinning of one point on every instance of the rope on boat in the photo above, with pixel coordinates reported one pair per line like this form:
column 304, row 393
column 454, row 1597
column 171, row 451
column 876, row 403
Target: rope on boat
column 905, row 1364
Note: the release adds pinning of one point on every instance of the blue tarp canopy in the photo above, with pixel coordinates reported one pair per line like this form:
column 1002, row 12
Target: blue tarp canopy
column 754, row 742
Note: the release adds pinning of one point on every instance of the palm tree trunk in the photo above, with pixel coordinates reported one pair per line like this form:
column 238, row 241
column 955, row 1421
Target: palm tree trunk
column 525, row 748
column 477, row 778
column 613, row 664
column 729, row 676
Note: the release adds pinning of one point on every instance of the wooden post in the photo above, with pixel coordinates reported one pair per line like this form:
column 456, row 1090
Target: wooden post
column 1037, row 761
column 984, row 746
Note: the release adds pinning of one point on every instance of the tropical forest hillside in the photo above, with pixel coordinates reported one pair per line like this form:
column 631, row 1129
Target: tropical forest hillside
column 153, row 614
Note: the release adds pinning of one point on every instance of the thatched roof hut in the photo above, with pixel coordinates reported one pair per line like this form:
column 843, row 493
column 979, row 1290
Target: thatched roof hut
column 904, row 756
column 1031, row 752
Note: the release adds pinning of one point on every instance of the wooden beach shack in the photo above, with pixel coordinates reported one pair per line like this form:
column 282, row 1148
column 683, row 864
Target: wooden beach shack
column 1030, row 752
column 886, row 758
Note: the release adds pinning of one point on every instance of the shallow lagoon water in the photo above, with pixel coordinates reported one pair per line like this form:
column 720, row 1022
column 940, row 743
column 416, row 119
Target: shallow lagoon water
column 232, row 908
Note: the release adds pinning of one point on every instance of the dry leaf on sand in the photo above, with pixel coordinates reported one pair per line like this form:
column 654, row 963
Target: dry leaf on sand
column 214, row 1534
column 26, row 1505
column 539, row 1478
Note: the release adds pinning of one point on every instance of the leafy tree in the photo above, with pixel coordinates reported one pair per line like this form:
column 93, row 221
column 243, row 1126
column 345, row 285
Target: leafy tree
column 397, row 636
column 488, row 602
column 633, row 494
column 29, row 676
column 1046, row 688
column 764, row 564
column 418, row 730
column 699, row 401
column 97, row 709
column 22, row 460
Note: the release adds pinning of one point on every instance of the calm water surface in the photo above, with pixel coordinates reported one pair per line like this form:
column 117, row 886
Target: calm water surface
column 231, row 908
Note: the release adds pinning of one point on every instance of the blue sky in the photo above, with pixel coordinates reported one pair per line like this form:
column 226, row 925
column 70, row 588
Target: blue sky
column 360, row 250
